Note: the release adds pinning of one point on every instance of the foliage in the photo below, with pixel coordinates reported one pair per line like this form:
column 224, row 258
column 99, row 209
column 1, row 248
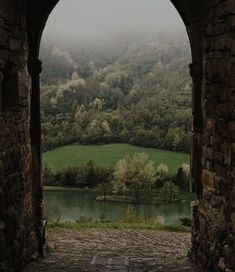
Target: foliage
column 169, row 190
column 118, row 225
column 182, row 177
column 104, row 189
column 134, row 179
column 133, row 174
column 131, row 216
column 136, row 92
column 89, row 176
column 185, row 221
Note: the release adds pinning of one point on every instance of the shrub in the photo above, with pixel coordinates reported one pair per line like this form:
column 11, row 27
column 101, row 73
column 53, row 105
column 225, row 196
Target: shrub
column 89, row 176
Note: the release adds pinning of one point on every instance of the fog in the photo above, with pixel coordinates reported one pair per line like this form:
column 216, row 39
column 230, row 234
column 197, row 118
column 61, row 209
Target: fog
column 83, row 20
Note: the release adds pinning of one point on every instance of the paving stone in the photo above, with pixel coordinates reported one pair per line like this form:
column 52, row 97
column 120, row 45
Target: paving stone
column 116, row 250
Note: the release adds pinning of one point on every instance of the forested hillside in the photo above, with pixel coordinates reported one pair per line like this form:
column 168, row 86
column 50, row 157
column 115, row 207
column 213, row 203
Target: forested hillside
column 131, row 89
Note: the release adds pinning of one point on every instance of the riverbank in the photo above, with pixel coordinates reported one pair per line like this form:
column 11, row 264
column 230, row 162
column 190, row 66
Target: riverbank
column 157, row 199
column 119, row 226
column 66, row 189
column 132, row 200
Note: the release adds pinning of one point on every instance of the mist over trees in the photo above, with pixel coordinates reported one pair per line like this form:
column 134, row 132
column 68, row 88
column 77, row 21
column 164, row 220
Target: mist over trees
column 90, row 20
column 128, row 89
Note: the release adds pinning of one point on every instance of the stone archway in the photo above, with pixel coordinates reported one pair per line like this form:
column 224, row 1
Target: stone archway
column 210, row 25
column 191, row 16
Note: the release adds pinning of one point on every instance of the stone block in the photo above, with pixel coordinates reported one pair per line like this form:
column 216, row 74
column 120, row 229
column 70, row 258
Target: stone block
column 218, row 157
column 222, row 264
column 233, row 48
column 230, row 82
column 231, row 22
column 14, row 44
column 215, row 142
column 208, row 153
column 220, row 169
column 216, row 69
column 233, row 197
column 221, row 128
column 232, row 154
column 4, row 131
column 23, row 80
column 231, row 68
column 218, row 182
column 222, row 110
column 2, row 226
column 2, row 174
column 216, row 29
column 210, row 125
column 231, row 5
column 233, row 222
column 207, row 180
column 231, row 130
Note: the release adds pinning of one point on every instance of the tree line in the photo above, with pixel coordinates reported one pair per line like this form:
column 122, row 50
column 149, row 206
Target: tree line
column 133, row 176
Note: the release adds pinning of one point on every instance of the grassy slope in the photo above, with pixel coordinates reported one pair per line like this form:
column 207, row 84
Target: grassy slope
column 108, row 155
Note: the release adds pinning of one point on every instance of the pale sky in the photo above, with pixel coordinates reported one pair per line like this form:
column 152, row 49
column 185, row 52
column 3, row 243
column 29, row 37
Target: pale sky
column 85, row 19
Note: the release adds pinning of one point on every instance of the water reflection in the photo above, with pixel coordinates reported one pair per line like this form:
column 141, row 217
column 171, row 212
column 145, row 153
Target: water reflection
column 82, row 206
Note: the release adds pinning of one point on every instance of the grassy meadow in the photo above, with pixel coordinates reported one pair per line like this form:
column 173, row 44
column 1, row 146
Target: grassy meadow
column 108, row 155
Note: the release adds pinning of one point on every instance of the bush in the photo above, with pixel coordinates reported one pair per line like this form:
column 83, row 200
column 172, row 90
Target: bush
column 89, row 176
column 131, row 216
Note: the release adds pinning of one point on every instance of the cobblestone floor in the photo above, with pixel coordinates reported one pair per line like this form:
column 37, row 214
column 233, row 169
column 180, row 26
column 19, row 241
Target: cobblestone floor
column 116, row 251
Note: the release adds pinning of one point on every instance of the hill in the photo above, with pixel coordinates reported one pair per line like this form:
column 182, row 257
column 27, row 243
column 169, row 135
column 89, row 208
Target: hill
column 108, row 155
column 133, row 90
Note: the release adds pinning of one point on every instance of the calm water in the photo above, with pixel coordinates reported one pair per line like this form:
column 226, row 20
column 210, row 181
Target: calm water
column 73, row 206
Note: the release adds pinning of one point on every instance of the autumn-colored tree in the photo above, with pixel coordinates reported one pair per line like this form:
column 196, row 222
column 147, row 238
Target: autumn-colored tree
column 133, row 174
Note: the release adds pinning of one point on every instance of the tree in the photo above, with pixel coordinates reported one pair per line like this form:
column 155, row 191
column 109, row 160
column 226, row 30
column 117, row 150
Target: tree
column 134, row 173
column 97, row 104
column 69, row 176
column 122, row 175
column 181, row 179
column 81, row 116
column 104, row 178
column 47, row 174
column 135, row 92
column 149, row 178
column 104, row 189
column 169, row 190
column 162, row 170
column 90, row 174
column 162, row 174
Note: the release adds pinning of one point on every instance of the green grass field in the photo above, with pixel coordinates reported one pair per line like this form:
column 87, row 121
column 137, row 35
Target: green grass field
column 118, row 225
column 108, row 155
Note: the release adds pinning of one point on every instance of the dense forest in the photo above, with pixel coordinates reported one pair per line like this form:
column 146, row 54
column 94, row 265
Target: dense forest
column 122, row 89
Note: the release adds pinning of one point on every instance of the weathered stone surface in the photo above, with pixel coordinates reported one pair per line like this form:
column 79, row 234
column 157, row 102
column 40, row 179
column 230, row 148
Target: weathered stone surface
column 210, row 25
column 116, row 250
column 16, row 243
column 213, row 239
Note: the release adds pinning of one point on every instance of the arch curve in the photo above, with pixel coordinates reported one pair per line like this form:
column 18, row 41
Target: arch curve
column 210, row 27
column 38, row 14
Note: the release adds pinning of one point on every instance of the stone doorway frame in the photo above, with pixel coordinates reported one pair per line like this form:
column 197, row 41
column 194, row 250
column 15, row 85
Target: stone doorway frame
column 37, row 15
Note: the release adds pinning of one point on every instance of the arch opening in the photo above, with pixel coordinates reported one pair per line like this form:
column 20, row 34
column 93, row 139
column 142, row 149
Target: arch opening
column 210, row 27
column 74, row 76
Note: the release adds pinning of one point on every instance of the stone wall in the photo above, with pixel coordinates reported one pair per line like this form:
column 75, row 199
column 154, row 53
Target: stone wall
column 211, row 28
column 18, row 240
column 214, row 216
